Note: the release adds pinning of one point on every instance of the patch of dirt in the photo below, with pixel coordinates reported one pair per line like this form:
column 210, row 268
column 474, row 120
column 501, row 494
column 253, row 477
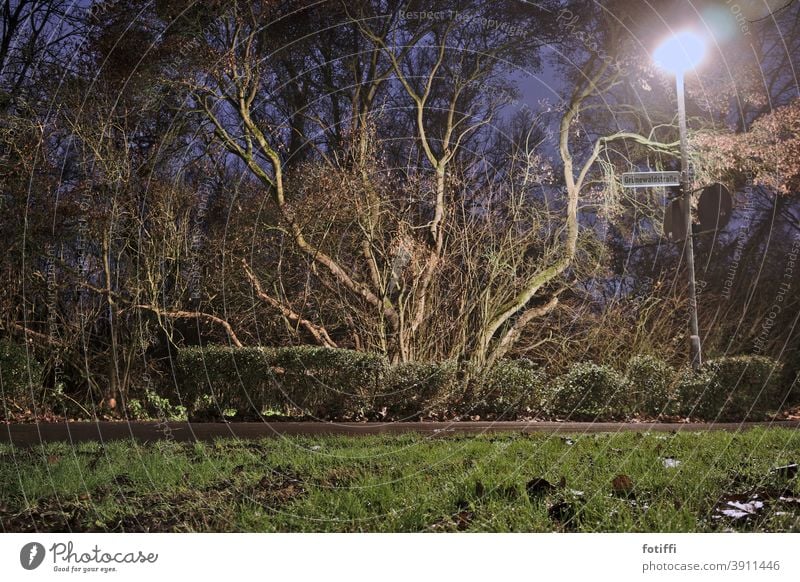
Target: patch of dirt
column 48, row 516
column 277, row 488
column 458, row 521
column 338, row 478
column 211, row 509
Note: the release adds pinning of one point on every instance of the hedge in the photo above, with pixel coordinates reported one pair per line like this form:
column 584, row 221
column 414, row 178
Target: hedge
column 653, row 385
column 344, row 384
column 214, row 379
column 732, row 389
column 589, row 391
column 330, row 383
column 512, row 388
column 298, row 381
column 790, row 377
column 419, row 389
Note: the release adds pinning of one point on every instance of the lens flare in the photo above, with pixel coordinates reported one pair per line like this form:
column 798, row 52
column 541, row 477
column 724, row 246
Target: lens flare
column 681, row 52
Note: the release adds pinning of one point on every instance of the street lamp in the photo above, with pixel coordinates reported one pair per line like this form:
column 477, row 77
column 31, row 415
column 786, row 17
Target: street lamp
column 678, row 54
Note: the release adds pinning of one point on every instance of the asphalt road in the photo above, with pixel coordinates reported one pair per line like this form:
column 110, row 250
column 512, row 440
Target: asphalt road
column 26, row 435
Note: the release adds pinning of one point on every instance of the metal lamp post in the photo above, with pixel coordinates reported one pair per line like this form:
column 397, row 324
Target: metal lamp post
column 678, row 54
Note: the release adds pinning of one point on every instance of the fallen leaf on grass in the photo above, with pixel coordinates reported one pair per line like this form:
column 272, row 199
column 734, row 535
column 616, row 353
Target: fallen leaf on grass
column 773, row 493
column 538, row 487
column 787, row 471
column 562, row 513
column 622, row 486
column 738, row 510
column 739, row 507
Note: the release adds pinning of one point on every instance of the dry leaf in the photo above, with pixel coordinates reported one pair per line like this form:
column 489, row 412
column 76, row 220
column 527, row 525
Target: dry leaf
column 538, row 487
column 787, row 471
column 622, row 485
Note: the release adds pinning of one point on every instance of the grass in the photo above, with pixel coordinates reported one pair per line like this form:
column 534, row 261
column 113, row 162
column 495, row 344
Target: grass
column 617, row 482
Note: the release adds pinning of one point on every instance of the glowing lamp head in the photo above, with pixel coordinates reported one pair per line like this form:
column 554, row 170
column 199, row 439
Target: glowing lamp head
column 680, row 53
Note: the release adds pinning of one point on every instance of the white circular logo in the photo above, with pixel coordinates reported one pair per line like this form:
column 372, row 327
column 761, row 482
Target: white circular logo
column 31, row 555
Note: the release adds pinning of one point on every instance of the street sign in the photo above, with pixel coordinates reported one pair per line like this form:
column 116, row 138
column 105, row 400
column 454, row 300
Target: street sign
column 650, row 179
column 675, row 220
column 714, row 207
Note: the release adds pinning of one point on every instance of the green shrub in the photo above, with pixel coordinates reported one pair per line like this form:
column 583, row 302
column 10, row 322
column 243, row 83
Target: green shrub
column 330, row 383
column 18, row 373
column 419, row 389
column 213, row 379
column 302, row 380
column 589, row 391
column 653, row 385
column 731, row 389
column 511, row 388
column 790, row 377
